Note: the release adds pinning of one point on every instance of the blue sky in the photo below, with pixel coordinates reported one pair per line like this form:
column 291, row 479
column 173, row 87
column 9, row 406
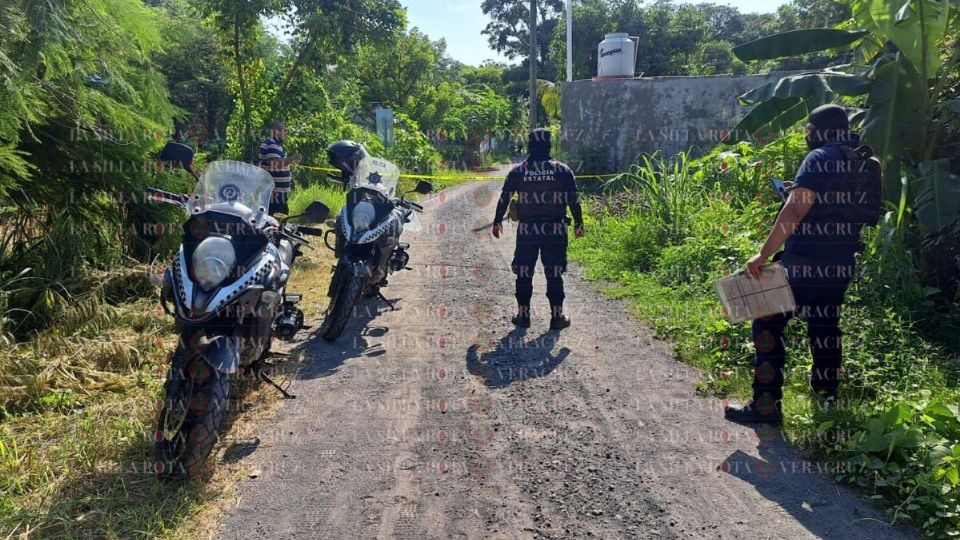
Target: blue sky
column 461, row 21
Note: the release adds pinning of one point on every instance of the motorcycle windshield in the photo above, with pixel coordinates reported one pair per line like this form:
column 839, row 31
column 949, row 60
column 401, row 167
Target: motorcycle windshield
column 377, row 174
column 232, row 187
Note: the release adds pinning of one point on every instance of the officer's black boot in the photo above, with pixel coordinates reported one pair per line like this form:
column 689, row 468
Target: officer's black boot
column 762, row 410
column 558, row 321
column 522, row 318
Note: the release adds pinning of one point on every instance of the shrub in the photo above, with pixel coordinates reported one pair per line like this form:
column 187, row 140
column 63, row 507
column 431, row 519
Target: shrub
column 412, row 151
column 665, row 231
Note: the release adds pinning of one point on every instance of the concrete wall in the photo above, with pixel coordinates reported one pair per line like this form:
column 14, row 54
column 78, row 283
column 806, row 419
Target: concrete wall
column 608, row 124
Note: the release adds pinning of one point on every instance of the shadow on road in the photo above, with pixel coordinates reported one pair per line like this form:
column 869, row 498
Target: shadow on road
column 798, row 485
column 323, row 358
column 516, row 358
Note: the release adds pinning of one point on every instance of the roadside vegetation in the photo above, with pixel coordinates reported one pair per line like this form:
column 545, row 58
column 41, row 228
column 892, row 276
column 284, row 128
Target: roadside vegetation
column 90, row 90
column 665, row 231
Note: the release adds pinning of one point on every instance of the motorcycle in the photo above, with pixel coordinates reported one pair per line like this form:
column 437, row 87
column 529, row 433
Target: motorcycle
column 227, row 288
column 367, row 231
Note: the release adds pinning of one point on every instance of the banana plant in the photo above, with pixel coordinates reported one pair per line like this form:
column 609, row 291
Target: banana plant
column 898, row 47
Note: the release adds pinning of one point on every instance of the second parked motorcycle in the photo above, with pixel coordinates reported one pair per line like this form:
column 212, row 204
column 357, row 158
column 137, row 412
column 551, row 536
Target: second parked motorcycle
column 367, row 231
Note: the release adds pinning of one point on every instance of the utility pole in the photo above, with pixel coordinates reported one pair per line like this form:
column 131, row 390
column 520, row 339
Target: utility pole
column 533, row 64
column 569, row 40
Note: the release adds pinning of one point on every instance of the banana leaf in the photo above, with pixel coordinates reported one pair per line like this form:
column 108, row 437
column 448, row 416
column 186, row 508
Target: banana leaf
column 861, row 10
column 823, row 86
column 896, row 120
column 936, row 192
column 795, row 43
column 916, row 27
column 769, row 119
column 783, row 103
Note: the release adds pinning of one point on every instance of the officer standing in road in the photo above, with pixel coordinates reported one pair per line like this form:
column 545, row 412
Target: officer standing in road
column 836, row 193
column 545, row 188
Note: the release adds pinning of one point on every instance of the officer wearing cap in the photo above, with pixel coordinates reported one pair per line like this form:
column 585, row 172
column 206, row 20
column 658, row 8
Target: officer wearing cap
column 545, row 188
column 835, row 194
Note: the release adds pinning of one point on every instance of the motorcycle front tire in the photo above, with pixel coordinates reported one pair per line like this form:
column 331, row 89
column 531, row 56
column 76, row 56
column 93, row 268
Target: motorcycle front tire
column 342, row 309
column 194, row 409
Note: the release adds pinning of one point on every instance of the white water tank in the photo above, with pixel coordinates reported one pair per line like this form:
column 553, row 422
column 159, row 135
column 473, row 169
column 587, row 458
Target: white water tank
column 617, row 56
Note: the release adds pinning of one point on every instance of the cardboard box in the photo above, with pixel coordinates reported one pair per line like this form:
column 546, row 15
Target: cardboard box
column 747, row 299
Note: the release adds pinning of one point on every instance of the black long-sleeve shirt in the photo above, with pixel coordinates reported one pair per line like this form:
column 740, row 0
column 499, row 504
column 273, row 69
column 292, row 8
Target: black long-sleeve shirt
column 545, row 189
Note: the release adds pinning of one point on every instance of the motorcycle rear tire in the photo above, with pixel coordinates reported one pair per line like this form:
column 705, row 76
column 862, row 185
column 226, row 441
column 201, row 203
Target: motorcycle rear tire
column 343, row 304
column 196, row 404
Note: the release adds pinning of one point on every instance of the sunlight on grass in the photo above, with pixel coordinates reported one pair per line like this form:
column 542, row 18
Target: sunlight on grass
column 661, row 243
column 76, row 437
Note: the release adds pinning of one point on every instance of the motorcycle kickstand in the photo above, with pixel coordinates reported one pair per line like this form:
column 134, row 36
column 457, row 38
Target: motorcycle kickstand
column 389, row 303
column 282, row 389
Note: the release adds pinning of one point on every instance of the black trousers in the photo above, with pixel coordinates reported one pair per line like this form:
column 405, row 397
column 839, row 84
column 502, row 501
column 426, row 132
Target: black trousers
column 546, row 240
column 278, row 203
column 820, row 304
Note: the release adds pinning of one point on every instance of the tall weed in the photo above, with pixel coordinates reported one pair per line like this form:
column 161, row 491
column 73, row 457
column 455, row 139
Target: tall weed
column 664, row 190
column 665, row 231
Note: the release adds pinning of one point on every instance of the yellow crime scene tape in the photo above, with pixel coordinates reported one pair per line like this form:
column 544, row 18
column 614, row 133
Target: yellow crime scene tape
column 471, row 178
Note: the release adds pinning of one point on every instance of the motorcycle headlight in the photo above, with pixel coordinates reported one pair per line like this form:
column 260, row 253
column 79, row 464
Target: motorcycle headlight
column 363, row 216
column 212, row 262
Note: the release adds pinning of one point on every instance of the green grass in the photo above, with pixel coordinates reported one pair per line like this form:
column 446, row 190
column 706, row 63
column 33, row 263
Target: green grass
column 77, row 417
column 330, row 194
column 334, row 196
column 661, row 243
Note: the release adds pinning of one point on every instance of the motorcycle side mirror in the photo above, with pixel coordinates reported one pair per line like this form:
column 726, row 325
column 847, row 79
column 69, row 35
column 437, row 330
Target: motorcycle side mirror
column 423, row 187
column 317, row 212
column 177, row 155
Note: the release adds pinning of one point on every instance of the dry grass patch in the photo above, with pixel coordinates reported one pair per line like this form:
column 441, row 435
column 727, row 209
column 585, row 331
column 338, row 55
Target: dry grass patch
column 76, row 428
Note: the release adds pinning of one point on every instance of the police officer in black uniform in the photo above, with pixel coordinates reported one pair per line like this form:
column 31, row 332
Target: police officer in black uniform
column 545, row 188
column 835, row 194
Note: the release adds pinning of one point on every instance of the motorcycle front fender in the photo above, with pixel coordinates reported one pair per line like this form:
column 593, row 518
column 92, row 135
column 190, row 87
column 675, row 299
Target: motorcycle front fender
column 351, row 265
column 222, row 353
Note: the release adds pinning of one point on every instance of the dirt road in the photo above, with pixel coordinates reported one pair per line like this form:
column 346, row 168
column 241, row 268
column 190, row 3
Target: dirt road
column 440, row 420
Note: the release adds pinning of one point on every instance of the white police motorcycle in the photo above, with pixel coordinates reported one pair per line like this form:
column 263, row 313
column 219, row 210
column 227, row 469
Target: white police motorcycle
column 227, row 290
column 367, row 231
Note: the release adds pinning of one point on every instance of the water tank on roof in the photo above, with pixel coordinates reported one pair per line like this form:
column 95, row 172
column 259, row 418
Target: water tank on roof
column 617, row 56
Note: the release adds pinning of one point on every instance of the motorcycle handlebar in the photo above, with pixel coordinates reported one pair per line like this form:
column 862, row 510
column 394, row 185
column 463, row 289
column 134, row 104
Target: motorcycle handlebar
column 166, row 196
column 413, row 206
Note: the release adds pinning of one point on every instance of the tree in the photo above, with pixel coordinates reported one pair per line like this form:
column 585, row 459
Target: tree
column 323, row 31
column 906, row 60
column 819, row 13
column 239, row 25
column 509, row 34
column 399, row 69
column 196, row 76
column 327, row 30
column 81, row 108
column 668, row 34
column 592, row 20
column 490, row 74
column 723, row 22
column 716, row 57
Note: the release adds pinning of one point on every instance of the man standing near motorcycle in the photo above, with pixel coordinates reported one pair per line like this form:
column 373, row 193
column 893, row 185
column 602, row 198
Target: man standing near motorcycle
column 545, row 188
column 836, row 193
column 275, row 161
